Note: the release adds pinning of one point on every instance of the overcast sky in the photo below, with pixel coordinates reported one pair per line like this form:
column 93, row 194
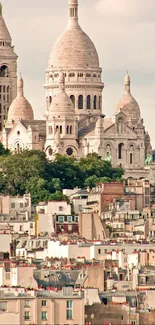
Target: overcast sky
column 123, row 32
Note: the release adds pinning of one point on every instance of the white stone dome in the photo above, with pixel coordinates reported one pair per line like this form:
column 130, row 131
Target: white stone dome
column 61, row 104
column 74, row 48
column 20, row 107
column 127, row 104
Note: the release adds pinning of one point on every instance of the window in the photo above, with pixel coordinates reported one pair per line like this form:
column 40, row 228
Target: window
column 43, row 315
column 21, row 228
column 60, row 208
column 7, row 276
column 3, row 305
column 60, row 129
column 69, row 309
column 21, row 205
column 80, row 207
column 100, row 102
column 71, row 129
column 12, row 205
column 72, row 97
column 44, row 303
column 95, row 101
column 133, row 322
column 27, row 315
column 120, row 150
column 88, row 102
column 50, row 130
column 31, row 225
column 50, row 99
column 131, row 160
column 27, row 303
column 60, row 219
column 72, row 74
column 67, row 129
column 80, row 102
column 69, row 218
column 4, row 71
column 99, row 251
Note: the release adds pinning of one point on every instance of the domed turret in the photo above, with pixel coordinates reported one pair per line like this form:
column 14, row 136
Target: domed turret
column 20, row 107
column 128, row 104
column 61, row 104
column 75, row 54
column 73, row 49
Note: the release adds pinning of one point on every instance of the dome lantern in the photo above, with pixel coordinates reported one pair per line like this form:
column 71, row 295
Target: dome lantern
column 73, row 11
column 127, row 83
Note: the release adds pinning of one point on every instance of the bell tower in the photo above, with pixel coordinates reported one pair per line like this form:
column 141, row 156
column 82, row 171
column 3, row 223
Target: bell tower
column 8, row 71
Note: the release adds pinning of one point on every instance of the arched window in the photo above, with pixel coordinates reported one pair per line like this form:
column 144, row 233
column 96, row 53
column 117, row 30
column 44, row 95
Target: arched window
column 120, row 151
column 100, row 103
column 71, row 129
column 67, row 129
column 88, row 102
column 131, row 158
column 4, row 71
column 95, row 101
column 18, row 147
column 3, row 89
column 50, row 130
column 72, row 97
column 80, row 102
column 120, row 125
column 50, row 99
column 131, row 154
column 60, row 129
column 8, row 89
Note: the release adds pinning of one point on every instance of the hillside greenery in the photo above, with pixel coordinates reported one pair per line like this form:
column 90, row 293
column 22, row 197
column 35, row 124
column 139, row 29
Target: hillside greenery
column 31, row 172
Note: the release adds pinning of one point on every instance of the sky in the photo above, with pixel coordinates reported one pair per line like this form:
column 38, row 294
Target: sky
column 123, row 32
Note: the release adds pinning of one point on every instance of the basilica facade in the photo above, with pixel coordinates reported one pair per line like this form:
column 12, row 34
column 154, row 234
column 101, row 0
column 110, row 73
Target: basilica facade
column 75, row 124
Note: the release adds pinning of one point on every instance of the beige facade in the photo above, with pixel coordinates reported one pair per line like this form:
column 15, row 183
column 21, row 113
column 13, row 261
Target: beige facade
column 44, row 308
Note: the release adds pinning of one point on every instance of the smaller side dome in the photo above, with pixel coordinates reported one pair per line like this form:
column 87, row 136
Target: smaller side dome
column 127, row 104
column 61, row 104
column 20, row 107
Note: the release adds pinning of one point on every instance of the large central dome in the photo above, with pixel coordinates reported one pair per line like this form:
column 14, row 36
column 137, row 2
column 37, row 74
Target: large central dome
column 73, row 49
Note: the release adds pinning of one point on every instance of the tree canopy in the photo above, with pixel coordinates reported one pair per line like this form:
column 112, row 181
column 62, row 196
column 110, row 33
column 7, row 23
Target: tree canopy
column 31, row 172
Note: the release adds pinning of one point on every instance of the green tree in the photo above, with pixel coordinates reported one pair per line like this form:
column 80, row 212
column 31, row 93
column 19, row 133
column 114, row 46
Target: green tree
column 3, row 151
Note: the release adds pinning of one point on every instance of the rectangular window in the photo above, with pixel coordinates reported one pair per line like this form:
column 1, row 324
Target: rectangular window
column 99, row 251
column 31, row 225
column 21, row 228
column 21, row 205
column 27, row 303
column 69, row 309
column 60, row 208
column 43, row 303
column 3, row 305
column 7, row 276
column 27, row 315
column 12, row 205
column 133, row 322
column 43, row 315
column 69, row 218
column 60, row 219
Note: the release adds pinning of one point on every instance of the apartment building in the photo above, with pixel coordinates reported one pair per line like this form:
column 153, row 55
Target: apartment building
column 41, row 307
